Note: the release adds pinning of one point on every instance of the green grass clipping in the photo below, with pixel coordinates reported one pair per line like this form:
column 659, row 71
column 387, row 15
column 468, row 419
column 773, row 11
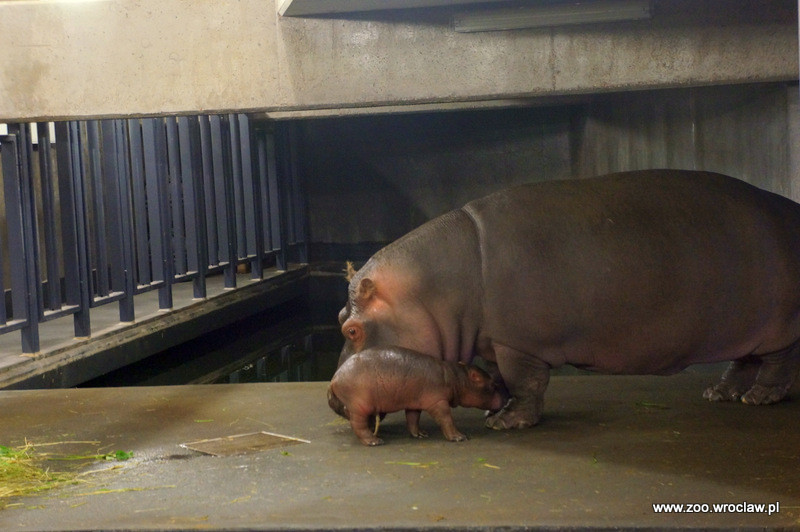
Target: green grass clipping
column 23, row 471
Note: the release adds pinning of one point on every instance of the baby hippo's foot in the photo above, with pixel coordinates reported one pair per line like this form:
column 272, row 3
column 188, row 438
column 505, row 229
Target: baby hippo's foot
column 360, row 426
column 442, row 414
column 515, row 415
column 371, row 440
column 455, row 436
column 412, row 422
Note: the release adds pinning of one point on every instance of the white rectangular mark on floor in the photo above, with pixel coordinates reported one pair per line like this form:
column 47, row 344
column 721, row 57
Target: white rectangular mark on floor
column 242, row 443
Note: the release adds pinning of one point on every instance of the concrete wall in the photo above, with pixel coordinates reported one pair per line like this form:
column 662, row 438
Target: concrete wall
column 130, row 57
column 372, row 179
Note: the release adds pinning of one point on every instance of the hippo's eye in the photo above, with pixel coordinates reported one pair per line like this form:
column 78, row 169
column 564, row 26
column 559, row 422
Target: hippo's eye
column 351, row 332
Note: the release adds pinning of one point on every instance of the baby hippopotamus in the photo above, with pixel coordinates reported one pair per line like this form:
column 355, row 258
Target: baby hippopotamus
column 379, row 381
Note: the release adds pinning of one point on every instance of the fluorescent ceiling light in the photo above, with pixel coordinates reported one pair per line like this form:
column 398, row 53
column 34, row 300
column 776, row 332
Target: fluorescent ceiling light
column 553, row 15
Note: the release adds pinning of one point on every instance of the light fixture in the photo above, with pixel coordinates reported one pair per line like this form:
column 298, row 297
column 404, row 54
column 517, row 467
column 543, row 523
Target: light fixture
column 553, row 15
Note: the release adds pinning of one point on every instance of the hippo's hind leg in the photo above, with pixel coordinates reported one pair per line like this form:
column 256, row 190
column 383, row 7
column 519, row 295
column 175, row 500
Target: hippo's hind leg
column 776, row 374
column 360, row 425
column 736, row 381
column 526, row 378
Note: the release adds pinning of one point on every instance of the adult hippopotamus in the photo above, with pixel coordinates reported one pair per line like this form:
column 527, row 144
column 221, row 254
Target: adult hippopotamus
column 641, row 272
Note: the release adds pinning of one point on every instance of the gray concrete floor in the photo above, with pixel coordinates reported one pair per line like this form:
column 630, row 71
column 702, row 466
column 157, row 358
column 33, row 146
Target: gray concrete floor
column 607, row 450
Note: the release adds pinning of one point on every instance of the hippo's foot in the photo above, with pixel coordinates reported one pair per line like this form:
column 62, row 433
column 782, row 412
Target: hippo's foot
column 764, row 395
column 738, row 378
column 526, row 378
column 514, row 416
column 419, row 434
column 761, row 380
column 372, row 442
column 456, row 437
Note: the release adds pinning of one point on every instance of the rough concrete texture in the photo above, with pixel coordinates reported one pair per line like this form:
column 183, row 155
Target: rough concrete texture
column 114, row 58
column 399, row 171
column 607, row 450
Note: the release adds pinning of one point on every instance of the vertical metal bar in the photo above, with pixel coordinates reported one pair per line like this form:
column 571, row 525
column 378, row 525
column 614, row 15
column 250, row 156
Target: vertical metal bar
column 9, row 145
column 275, row 204
column 151, row 199
column 110, row 205
column 177, row 203
column 33, row 278
column 20, row 219
column 208, row 187
column 3, row 310
column 126, row 304
column 253, row 215
column 165, row 213
column 73, row 227
column 263, row 183
column 165, row 217
column 187, row 193
column 231, row 254
column 282, row 193
column 7, row 163
column 139, row 198
column 221, row 225
column 192, row 181
column 220, row 143
column 101, row 287
column 296, row 198
column 154, row 140
column 52, row 299
column 237, row 199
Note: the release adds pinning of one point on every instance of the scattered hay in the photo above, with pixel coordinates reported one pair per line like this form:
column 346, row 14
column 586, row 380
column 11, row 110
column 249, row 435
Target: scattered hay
column 22, row 472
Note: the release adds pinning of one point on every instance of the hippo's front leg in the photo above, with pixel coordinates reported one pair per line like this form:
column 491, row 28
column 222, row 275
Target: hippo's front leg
column 412, row 422
column 442, row 414
column 738, row 378
column 526, row 378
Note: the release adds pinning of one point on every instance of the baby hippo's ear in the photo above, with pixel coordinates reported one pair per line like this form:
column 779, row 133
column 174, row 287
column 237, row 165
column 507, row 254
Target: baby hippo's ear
column 477, row 375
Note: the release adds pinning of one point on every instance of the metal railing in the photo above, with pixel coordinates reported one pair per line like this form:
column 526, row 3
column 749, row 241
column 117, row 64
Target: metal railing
column 99, row 211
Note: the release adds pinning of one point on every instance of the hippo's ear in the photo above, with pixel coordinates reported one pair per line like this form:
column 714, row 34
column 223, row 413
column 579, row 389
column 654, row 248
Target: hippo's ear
column 476, row 375
column 365, row 291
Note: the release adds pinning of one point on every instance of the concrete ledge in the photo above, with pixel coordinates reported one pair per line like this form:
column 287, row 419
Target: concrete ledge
column 72, row 361
column 608, row 448
column 206, row 57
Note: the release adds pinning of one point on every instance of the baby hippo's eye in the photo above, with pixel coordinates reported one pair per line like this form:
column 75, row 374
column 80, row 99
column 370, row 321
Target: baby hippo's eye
column 351, row 332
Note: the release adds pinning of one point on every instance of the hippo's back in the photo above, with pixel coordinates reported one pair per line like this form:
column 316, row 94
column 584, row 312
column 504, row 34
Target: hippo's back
column 639, row 272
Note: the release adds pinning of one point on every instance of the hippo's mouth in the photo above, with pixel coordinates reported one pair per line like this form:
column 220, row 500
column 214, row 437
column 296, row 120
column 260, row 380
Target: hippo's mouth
column 497, row 403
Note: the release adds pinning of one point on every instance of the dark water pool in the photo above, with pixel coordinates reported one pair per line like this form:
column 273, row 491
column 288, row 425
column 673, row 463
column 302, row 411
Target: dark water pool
column 280, row 345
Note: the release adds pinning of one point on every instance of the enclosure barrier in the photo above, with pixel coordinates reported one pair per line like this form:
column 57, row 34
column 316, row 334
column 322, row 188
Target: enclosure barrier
column 99, row 211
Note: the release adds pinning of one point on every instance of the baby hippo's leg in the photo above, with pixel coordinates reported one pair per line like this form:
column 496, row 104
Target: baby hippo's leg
column 412, row 422
column 442, row 414
column 360, row 425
